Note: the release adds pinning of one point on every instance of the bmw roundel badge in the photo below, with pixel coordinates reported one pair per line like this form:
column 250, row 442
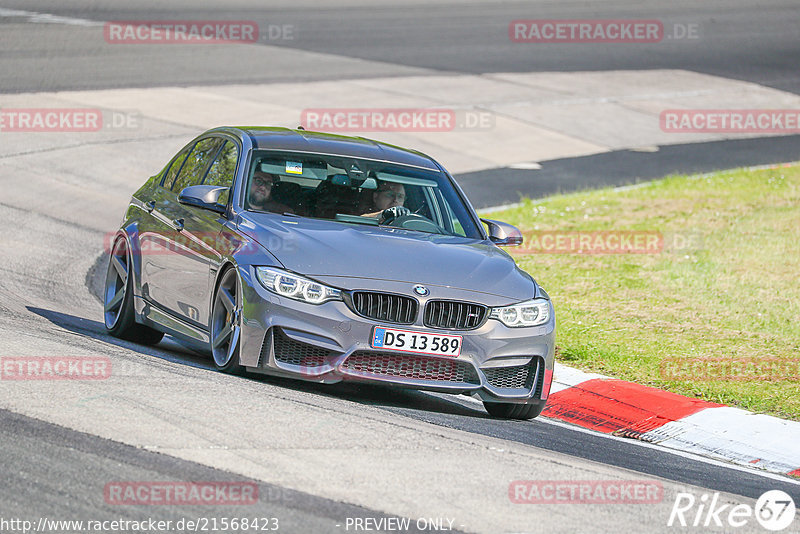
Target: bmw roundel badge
column 421, row 290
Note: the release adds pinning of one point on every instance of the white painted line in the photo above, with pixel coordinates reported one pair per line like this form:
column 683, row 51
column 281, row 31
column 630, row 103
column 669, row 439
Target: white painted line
column 571, row 377
column 675, row 452
column 48, row 18
column 735, row 435
column 632, row 186
column 683, row 454
column 14, row 13
column 498, row 208
column 752, row 168
column 526, row 166
column 644, row 184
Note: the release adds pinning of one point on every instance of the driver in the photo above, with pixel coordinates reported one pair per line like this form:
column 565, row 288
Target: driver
column 261, row 191
column 387, row 201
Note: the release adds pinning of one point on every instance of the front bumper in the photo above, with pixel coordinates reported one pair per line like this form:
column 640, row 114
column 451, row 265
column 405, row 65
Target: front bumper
column 329, row 343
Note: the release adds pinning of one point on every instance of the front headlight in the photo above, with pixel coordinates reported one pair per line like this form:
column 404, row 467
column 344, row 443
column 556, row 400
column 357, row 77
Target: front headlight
column 529, row 313
column 296, row 287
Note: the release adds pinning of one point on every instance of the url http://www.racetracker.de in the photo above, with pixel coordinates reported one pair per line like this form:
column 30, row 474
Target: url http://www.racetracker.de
column 199, row 524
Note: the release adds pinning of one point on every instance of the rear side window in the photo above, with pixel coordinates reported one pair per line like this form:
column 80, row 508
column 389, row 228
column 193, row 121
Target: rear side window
column 197, row 162
column 223, row 168
column 175, row 167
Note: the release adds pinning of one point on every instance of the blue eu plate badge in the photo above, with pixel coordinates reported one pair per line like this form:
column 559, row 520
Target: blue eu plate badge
column 377, row 339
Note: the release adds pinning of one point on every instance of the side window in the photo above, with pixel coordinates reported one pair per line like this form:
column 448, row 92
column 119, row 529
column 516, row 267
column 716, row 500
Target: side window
column 223, row 169
column 174, row 168
column 194, row 169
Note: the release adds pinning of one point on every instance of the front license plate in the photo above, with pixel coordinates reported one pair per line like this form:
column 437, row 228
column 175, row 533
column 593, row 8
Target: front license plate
column 416, row 342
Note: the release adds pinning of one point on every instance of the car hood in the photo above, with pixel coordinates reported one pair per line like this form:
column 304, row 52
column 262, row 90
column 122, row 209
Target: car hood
column 322, row 249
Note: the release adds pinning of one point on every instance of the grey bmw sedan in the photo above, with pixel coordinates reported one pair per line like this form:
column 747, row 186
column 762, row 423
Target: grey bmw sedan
column 327, row 258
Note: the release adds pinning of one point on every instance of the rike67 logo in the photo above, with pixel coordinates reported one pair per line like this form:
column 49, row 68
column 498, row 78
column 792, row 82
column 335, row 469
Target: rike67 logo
column 774, row 510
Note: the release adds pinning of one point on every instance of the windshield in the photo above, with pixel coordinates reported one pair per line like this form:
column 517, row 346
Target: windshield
column 357, row 191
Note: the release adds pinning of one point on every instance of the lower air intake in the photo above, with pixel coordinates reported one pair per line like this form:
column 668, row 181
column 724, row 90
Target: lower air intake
column 292, row 352
column 411, row 367
column 517, row 377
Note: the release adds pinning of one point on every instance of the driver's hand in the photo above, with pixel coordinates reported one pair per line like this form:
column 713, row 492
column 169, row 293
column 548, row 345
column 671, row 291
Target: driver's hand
column 394, row 212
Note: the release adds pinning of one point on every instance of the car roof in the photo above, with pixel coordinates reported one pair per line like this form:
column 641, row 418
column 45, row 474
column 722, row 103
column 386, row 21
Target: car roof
column 326, row 143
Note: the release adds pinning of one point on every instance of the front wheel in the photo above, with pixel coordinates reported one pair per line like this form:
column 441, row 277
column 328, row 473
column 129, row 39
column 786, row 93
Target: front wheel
column 506, row 410
column 226, row 324
column 118, row 314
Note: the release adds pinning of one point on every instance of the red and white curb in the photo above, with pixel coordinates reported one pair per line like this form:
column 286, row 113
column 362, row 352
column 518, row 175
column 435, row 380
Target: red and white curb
column 652, row 415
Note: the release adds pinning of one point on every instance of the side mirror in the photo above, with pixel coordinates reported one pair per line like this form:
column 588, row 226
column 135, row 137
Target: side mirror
column 204, row 196
column 503, row 234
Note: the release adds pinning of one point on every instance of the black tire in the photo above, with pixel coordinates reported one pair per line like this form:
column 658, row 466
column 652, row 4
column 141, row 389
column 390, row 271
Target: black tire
column 505, row 410
column 225, row 324
column 118, row 314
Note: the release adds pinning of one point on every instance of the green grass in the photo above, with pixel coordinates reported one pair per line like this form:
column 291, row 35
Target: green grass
column 726, row 284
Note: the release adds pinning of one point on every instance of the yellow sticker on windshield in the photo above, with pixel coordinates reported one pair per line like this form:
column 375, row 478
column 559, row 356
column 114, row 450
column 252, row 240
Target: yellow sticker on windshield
column 294, row 167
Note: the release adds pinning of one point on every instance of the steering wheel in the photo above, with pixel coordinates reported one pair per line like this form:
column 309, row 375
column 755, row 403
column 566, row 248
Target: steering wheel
column 415, row 221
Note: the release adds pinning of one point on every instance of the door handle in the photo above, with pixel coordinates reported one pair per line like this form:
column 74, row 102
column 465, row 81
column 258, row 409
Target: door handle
column 150, row 206
column 178, row 224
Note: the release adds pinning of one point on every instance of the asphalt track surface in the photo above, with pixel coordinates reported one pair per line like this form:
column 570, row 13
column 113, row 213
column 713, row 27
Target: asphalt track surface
column 69, row 487
column 500, row 186
column 745, row 40
column 757, row 42
column 60, row 445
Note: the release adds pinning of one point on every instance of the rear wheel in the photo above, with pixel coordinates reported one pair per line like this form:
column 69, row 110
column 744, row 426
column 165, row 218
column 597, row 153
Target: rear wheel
column 226, row 324
column 505, row 410
column 118, row 314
